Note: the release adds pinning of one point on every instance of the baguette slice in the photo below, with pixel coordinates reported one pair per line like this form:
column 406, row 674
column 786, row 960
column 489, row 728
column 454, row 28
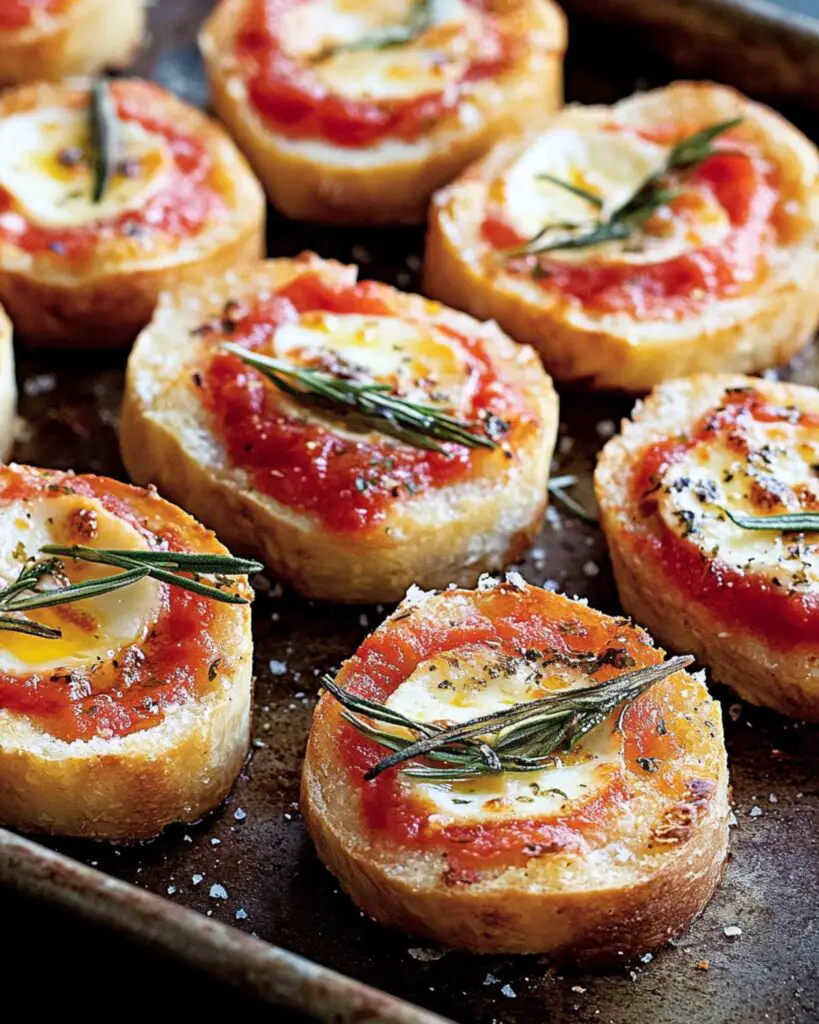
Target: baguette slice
column 604, row 853
column 139, row 715
column 8, row 387
column 180, row 202
column 77, row 37
column 309, row 176
column 694, row 291
column 745, row 601
column 228, row 445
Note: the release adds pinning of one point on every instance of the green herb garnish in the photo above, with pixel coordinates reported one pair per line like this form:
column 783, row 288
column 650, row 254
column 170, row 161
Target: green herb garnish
column 798, row 522
column 659, row 188
column 28, row 592
column 103, row 119
column 557, row 485
column 419, row 425
column 419, row 19
column 523, row 738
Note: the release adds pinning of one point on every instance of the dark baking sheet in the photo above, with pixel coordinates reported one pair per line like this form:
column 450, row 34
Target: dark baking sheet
column 254, row 850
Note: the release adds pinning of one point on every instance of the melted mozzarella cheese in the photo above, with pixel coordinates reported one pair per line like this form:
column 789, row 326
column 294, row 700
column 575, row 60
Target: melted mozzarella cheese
column 764, row 469
column 94, row 629
column 611, row 166
column 47, row 170
column 477, row 680
column 410, row 356
column 438, row 56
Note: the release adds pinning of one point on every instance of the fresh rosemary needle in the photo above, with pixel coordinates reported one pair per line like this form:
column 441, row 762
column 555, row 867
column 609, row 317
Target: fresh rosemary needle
column 800, row 522
column 419, row 425
column 522, row 738
column 103, row 120
column 419, row 19
column 27, row 592
column 557, row 488
column 659, row 188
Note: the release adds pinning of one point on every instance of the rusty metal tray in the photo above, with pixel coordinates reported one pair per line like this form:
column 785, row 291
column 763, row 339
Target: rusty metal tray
column 249, row 870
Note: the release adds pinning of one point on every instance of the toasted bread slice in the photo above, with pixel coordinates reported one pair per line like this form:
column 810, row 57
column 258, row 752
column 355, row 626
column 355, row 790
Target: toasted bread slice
column 601, row 853
column 311, row 165
column 71, row 37
column 744, row 599
column 181, row 202
column 334, row 505
column 8, row 387
column 137, row 714
column 724, row 275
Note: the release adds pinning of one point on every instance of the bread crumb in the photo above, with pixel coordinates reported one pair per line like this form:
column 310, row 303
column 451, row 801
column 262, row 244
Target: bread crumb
column 701, row 965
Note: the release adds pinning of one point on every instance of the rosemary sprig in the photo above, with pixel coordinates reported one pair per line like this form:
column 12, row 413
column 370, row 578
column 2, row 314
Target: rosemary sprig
column 419, row 19
column 582, row 193
column 557, row 485
column 800, row 522
column 27, row 592
column 421, row 426
column 522, row 738
column 103, row 138
column 659, row 188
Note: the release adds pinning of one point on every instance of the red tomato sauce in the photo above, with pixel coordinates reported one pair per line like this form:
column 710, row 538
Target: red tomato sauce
column 740, row 183
column 16, row 14
column 131, row 692
column 348, row 485
column 291, row 97
column 179, row 208
column 515, row 623
column 740, row 600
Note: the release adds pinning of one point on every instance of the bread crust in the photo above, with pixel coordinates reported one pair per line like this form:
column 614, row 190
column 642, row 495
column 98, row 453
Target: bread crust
column 614, row 350
column 127, row 788
column 104, row 303
column 451, row 533
column 85, row 38
column 619, row 902
column 8, row 387
column 327, row 185
column 787, row 681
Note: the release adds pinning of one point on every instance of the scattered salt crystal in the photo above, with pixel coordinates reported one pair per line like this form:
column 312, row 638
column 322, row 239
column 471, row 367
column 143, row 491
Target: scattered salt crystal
column 591, row 568
column 425, row 955
column 579, row 989
column 171, row 890
column 490, row 979
column 218, row 892
column 239, row 814
column 732, row 931
column 241, row 914
column 773, row 799
column 215, row 842
column 755, row 812
column 646, row 958
column 509, row 992
column 606, row 428
column 565, row 445
column 277, row 668
column 360, row 254
column 196, row 879
column 363, row 620
column 39, row 384
column 551, row 585
column 732, row 819
column 413, row 262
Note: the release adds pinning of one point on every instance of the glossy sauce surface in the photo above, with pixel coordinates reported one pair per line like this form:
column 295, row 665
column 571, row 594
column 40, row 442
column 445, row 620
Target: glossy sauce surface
column 288, row 94
column 132, row 689
column 513, row 622
column 744, row 600
column 742, row 184
column 178, row 209
column 349, row 484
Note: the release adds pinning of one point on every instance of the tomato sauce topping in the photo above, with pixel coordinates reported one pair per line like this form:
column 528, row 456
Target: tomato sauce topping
column 743, row 600
column 131, row 691
column 514, row 622
column 179, row 208
column 348, row 484
column 289, row 94
column 740, row 182
column 16, row 14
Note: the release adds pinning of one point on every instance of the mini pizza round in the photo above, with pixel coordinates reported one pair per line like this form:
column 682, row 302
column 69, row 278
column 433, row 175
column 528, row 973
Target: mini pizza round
column 710, row 503
column 355, row 112
column 46, row 40
column 509, row 771
column 675, row 232
column 356, row 438
column 8, row 387
column 108, row 194
column 125, row 661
